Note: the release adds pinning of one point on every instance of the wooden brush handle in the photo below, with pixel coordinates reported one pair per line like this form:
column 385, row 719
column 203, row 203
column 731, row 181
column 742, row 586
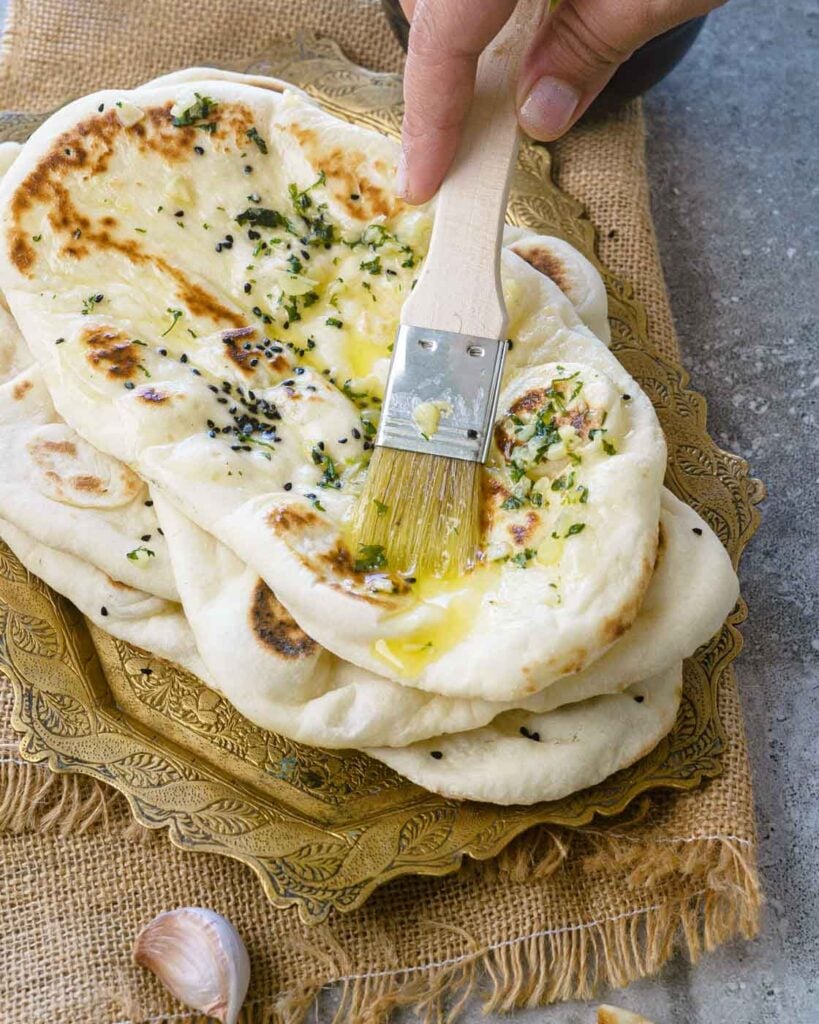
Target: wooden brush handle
column 459, row 287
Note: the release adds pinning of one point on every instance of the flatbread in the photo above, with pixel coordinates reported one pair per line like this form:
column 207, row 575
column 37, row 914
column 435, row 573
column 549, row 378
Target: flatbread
column 152, row 411
column 148, row 622
column 524, row 758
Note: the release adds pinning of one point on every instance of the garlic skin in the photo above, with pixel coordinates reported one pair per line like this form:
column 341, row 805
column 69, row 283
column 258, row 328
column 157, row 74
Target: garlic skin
column 199, row 957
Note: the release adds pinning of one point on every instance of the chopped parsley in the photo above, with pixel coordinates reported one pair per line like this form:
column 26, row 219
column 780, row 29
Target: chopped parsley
column 522, row 558
column 380, row 508
column 260, row 217
column 512, row 502
column 371, row 557
column 574, row 529
column 175, row 315
column 330, row 477
column 333, row 321
column 608, row 447
column 139, row 552
column 252, row 133
column 372, row 266
column 197, row 112
column 92, row 301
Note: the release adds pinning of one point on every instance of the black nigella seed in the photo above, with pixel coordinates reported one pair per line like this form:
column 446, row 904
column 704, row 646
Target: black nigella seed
column 129, row 385
column 626, row 398
column 411, row 579
column 303, row 240
column 213, row 388
column 248, row 287
column 436, row 754
column 212, row 433
column 199, row 150
column 342, row 440
column 160, row 531
column 299, row 370
column 195, row 371
column 697, row 530
column 221, row 400
column 149, row 503
column 218, row 247
column 305, row 255
column 226, row 430
column 355, row 196
column 99, row 298
column 179, row 213
column 145, row 537
column 229, row 238
column 59, row 341
column 311, row 496
column 211, row 424
column 163, row 351
column 535, row 736
column 639, row 698
column 356, row 433
column 147, row 671
column 312, row 387
column 247, row 169
column 247, row 346
column 367, row 446
column 235, row 447
column 251, row 395
column 257, row 311
column 254, row 197
column 103, row 610
column 254, row 362
column 288, row 486
column 253, row 234
column 524, row 731
column 320, row 446
column 288, row 383
column 227, row 245
column 183, row 358
column 101, row 107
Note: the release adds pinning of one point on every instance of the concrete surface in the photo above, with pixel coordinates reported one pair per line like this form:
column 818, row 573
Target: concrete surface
column 733, row 149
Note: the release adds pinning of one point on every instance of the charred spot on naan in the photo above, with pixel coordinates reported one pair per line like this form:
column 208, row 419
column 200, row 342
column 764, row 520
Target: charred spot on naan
column 345, row 171
column 546, row 261
column 111, row 352
column 317, row 545
column 275, row 627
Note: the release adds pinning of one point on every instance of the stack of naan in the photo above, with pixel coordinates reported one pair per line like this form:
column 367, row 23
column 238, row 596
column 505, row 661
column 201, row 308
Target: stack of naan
column 204, row 276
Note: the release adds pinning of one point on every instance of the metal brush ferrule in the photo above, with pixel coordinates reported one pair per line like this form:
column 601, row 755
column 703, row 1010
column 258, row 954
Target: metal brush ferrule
column 450, row 370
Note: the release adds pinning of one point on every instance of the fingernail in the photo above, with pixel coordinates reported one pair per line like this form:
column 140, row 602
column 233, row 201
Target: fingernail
column 547, row 110
column 401, row 182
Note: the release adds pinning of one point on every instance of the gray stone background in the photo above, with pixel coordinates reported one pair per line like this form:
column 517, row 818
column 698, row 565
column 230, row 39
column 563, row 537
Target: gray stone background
column 733, row 149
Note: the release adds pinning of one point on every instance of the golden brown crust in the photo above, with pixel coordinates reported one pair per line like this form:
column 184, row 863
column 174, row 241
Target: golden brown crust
column 345, row 171
column 21, row 389
column 85, row 150
column 111, row 352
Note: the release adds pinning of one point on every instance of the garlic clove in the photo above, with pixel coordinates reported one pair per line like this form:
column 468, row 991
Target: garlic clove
column 199, row 957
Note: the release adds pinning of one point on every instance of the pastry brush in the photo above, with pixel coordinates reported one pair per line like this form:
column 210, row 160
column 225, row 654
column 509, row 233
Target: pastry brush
column 419, row 510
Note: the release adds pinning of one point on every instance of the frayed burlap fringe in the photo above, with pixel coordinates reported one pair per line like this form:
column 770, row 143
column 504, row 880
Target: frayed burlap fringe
column 557, row 964
column 34, row 799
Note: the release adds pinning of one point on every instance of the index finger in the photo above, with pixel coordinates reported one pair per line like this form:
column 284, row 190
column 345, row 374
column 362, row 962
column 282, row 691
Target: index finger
column 446, row 38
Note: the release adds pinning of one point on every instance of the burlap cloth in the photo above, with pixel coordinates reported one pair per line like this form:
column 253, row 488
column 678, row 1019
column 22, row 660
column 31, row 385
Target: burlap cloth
column 558, row 914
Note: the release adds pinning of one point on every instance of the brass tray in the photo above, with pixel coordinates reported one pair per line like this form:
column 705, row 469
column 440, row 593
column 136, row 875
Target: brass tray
column 323, row 829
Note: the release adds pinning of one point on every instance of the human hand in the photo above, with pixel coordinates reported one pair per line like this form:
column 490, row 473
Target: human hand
column 574, row 52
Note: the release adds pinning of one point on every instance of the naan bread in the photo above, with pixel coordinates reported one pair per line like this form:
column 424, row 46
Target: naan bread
column 132, row 615
column 576, row 276
column 309, row 343
column 523, row 758
column 275, row 674
column 68, row 495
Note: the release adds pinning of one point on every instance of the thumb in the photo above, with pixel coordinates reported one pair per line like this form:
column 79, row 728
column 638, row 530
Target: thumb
column 577, row 49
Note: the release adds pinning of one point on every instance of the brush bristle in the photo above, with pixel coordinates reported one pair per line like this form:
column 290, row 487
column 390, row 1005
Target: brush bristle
column 423, row 510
